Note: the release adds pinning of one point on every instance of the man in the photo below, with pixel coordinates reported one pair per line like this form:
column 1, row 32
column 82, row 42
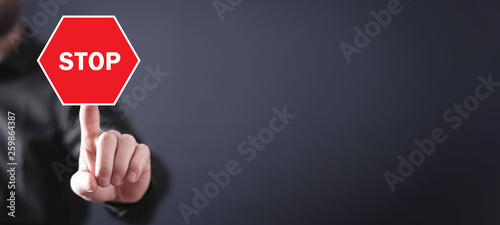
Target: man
column 113, row 167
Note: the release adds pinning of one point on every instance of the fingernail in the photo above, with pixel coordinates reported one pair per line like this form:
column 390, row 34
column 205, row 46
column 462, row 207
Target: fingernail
column 86, row 186
column 116, row 180
column 132, row 176
column 103, row 182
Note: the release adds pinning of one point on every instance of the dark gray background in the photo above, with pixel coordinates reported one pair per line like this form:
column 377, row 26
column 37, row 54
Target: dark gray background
column 353, row 119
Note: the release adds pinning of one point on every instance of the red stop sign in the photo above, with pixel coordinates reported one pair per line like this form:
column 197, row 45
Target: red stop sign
column 88, row 60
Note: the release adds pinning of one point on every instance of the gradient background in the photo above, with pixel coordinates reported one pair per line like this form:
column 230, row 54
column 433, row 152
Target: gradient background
column 353, row 121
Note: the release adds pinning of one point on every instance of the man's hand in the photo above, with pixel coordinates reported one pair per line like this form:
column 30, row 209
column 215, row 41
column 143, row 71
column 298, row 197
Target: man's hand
column 112, row 166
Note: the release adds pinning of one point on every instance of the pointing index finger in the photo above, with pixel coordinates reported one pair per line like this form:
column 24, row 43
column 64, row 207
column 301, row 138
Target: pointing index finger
column 90, row 120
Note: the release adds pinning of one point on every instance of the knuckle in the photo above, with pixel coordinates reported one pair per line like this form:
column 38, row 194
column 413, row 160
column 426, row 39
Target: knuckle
column 144, row 149
column 88, row 144
column 115, row 132
column 106, row 137
column 128, row 139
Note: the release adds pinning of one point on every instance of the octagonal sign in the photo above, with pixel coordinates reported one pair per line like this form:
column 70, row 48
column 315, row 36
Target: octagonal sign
column 88, row 60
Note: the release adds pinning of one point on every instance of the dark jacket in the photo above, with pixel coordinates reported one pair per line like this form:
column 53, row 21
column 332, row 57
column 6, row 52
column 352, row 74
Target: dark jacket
column 47, row 147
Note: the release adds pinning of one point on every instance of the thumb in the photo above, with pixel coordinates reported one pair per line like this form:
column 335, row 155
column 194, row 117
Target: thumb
column 84, row 184
column 90, row 120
